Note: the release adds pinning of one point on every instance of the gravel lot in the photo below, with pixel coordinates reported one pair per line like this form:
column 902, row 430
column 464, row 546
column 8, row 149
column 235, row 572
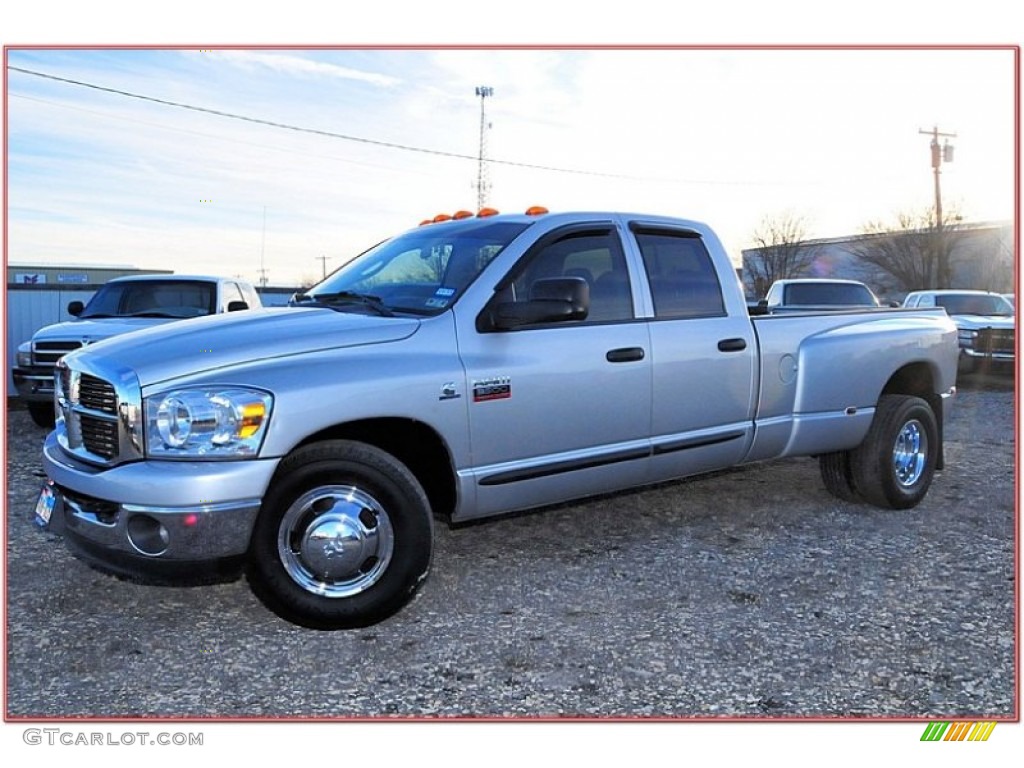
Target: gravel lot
column 750, row 593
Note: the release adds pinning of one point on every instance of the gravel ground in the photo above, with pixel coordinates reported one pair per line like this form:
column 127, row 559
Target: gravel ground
column 750, row 593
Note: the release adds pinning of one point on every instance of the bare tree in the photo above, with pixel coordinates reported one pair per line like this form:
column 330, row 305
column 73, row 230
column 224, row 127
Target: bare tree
column 915, row 252
column 781, row 251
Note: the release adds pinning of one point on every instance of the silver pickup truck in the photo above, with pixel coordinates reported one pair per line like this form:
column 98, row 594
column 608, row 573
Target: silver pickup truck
column 467, row 368
column 122, row 305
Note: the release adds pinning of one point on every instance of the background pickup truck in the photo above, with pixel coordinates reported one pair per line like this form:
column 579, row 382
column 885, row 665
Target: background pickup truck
column 122, row 305
column 985, row 324
column 463, row 369
column 817, row 295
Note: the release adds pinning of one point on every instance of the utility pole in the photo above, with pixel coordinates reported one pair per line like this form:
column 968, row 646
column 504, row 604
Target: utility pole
column 323, row 264
column 483, row 184
column 263, row 247
column 940, row 154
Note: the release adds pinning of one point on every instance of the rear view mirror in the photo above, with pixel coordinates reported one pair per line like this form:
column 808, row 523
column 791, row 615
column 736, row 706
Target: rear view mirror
column 237, row 306
column 552, row 300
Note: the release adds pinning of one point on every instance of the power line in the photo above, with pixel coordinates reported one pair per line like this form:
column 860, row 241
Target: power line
column 301, row 129
column 390, row 145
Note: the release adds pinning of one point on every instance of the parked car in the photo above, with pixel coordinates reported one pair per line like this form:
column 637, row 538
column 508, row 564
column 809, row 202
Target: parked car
column 818, row 295
column 122, row 305
column 986, row 327
column 1010, row 298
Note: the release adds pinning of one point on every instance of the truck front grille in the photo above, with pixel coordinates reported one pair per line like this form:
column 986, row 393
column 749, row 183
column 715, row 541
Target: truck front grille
column 49, row 352
column 96, row 394
column 99, row 436
column 995, row 341
column 100, row 419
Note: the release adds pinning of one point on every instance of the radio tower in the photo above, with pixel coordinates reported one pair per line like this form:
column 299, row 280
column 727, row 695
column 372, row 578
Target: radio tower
column 483, row 183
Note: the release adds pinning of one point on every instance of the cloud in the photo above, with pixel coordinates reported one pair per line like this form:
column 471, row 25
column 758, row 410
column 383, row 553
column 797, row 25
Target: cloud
column 302, row 67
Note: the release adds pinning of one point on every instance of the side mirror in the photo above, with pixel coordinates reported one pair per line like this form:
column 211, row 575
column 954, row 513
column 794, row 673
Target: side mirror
column 552, row 300
column 237, row 306
column 894, row 305
column 75, row 308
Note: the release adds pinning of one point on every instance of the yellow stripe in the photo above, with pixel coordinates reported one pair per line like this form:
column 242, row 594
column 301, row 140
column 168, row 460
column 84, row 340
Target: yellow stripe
column 989, row 727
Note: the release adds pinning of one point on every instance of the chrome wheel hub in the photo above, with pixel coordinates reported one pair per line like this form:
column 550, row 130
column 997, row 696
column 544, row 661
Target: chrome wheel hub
column 910, row 453
column 336, row 541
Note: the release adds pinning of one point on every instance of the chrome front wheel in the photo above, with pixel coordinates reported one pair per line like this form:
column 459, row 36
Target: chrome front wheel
column 343, row 539
column 336, row 541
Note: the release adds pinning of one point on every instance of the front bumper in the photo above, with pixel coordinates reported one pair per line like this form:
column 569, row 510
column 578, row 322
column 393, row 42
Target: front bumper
column 151, row 519
column 35, row 384
column 981, row 354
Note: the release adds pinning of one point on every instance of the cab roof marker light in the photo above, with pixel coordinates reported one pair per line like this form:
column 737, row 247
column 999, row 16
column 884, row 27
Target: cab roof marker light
column 442, row 217
column 487, row 212
column 462, row 215
column 426, row 221
column 536, row 210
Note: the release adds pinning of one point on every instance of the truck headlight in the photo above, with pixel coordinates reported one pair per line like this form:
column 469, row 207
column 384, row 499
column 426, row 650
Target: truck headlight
column 207, row 423
column 24, row 356
column 966, row 336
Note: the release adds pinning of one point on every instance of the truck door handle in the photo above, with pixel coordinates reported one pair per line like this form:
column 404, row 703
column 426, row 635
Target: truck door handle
column 732, row 345
column 625, row 355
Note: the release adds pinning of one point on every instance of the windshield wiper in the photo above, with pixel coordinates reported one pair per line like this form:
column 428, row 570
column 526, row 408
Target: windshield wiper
column 332, row 300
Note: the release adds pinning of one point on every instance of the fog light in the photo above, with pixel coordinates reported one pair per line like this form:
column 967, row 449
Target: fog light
column 148, row 535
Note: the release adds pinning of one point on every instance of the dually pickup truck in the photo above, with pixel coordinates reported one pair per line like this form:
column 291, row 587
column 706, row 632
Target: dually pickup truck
column 466, row 368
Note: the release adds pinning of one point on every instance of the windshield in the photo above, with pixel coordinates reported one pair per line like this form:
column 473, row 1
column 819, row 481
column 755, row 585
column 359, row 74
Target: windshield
column 422, row 272
column 829, row 294
column 153, row 298
column 974, row 304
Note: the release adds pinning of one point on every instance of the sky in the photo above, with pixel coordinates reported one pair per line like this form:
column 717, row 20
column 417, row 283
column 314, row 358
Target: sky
column 391, row 136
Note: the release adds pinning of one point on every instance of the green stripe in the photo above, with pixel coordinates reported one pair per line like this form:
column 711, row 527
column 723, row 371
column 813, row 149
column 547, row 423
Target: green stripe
column 934, row 731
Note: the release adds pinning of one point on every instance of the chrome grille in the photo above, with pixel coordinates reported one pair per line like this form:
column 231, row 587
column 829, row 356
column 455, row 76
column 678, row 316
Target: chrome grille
column 100, row 412
column 96, row 394
column 99, row 436
column 49, row 352
column 995, row 340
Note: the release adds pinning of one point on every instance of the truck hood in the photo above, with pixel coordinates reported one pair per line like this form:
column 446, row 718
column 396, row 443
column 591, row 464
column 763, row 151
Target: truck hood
column 88, row 331
column 208, row 343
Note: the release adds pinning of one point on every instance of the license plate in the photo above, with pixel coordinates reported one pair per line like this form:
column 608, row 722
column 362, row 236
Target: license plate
column 44, row 506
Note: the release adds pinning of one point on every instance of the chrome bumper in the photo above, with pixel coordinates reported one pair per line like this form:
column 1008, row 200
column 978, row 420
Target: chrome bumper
column 33, row 385
column 138, row 517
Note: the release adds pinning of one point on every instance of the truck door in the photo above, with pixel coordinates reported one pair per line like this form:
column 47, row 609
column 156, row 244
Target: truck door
column 703, row 359
column 559, row 410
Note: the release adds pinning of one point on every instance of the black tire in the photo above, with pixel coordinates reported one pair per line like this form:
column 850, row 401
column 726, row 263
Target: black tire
column 42, row 414
column 343, row 539
column 893, row 467
column 968, row 365
column 837, row 475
